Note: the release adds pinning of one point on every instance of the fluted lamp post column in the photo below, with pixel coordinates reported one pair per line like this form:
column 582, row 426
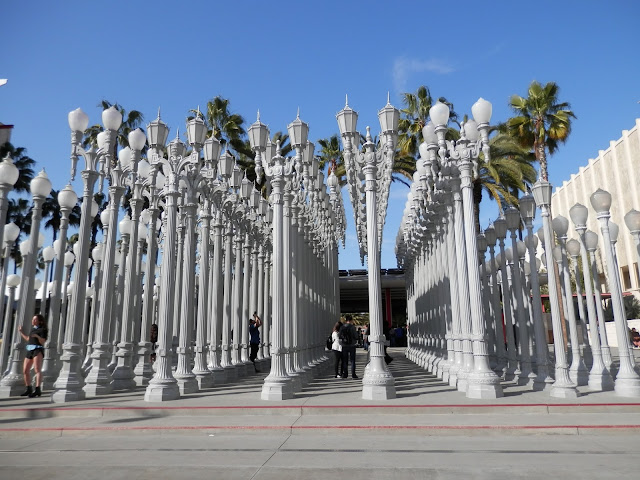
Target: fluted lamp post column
column 627, row 382
column 562, row 387
column 12, row 384
column 9, row 174
column 277, row 385
column 377, row 383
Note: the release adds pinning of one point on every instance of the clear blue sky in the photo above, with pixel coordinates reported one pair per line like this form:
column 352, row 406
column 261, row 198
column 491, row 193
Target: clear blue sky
column 278, row 56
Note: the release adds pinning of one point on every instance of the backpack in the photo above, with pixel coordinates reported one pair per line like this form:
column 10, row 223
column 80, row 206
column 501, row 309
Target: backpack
column 329, row 342
column 345, row 335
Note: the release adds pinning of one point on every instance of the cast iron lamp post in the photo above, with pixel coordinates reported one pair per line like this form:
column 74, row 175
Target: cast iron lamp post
column 9, row 174
column 13, row 382
column 277, row 385
column 8, row 238
column 69, row 385
column 627, row 382
column 562, row 387
column 377, row 383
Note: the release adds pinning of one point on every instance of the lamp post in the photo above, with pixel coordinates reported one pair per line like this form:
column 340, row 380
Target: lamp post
column 543, row 378
column 599, row 375
column 12, row 383
column 632, row 221
column 562, row 387
column 67, row 199
column 512, row 216
column 47, row 255
column 491, row 238
column 577, row 372
column 69, row 259
column 8, row 238
column 277, row 385
column 377, row 383
column 12, row 282
column 69, row 385
column 627, row 382
column 9, row 175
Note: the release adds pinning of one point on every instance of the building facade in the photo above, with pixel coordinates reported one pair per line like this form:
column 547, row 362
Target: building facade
column 616, row 171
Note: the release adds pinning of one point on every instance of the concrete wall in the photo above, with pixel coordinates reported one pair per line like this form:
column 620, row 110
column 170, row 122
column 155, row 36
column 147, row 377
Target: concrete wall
column 616, row 170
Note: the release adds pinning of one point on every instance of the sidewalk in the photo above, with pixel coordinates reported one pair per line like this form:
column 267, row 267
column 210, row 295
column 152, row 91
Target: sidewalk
column 424, row 405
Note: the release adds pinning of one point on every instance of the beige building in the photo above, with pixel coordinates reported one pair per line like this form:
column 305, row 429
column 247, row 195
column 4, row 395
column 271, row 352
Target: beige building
column 616, row 170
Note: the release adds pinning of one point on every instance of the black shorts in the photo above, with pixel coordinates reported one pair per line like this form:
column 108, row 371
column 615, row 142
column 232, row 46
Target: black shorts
column 34, row 353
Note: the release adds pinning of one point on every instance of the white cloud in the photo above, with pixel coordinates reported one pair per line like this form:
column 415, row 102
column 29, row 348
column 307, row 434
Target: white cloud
column 403, row 67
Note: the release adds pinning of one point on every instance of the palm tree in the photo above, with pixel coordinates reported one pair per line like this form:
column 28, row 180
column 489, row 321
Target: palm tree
column 23, row 163
column 508, row 172
column 331, row 154
column 542, row 122
column 226, row 126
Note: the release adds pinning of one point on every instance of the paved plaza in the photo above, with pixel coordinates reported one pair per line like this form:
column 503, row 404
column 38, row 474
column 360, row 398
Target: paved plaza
column 429, row 431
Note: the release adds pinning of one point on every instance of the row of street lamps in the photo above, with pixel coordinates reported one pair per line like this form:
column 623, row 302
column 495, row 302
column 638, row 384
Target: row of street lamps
column 225, row 251
column 474, row 322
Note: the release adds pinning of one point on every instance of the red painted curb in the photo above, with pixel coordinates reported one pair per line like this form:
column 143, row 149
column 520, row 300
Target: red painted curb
column 325, row 427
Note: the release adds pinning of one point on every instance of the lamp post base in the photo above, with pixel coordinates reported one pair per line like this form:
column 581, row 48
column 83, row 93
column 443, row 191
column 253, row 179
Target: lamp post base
column 204, row 379
column 541, row 383
column 218, row 376
column 562, row 391
column 377, row 381
column 600, row 382
column 230, row 373
column 277, row 389
column 627, row 387
column 162, row 391
column 186, row 383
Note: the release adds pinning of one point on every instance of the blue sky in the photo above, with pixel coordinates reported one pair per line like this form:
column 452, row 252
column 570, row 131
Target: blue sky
column 278, row 56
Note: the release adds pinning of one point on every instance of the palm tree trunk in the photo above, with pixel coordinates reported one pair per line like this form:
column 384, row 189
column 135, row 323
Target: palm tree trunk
column 477, row 198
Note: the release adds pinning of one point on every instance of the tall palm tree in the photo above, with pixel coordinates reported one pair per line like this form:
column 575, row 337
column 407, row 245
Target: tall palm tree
column 331, row 154
column 19, row 212
column 23, row 163
column 226, row 126
column 542, row 122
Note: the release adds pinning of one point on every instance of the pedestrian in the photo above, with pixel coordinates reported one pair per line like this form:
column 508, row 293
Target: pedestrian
column 349, row 340
column 254, row 338
column 35, row 354
column 336, row 348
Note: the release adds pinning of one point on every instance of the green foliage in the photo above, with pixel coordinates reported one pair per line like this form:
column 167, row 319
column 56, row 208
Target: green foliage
column 631, row 307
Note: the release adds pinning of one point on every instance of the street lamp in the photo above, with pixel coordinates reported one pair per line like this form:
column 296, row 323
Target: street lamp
column 599, row 376
column 543, row 378
column 627, row 382
column 12, row 383
column 9, row 175
column 378, row 383
column 577, row 372
column 562, row 387
column 12, row 282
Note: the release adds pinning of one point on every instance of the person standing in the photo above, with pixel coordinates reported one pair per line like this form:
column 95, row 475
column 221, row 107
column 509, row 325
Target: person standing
column 336, row 348
column 254, row 338
column 35, row 354
column 348, row 337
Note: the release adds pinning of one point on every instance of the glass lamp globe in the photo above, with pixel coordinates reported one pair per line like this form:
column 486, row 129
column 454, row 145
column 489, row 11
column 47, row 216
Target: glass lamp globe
column 490, row 236
column 69, row 258
column 560, row 225
column 102, row 138
column 144, row 169
column 142, row 231
column 573, row 247
column 94, row 208
column 632, row 220
column 70, row 288
column 67, row 198
column 76, row 249
column 532, row 240
column 481, row 111
column 137, row 139
column 9, row 173
column 24, row 247
column 97, row 252
column 11, row 232
column 591, row 240
column 579, row 214
column 522, row 249
column 125, row 225
column 471, row 130
column 429, row 134
column 601, row 201
column 13, row 281
column 347, row 120
column 439, row 114
column 78, row 120
column 500, row 225
column 104, row 217
column 56, row 246
column 37, row 284
column 40, row 186
column 298, row 132
column 48, row 253
column 40, row 240
column 111, row 118
column 125, row 157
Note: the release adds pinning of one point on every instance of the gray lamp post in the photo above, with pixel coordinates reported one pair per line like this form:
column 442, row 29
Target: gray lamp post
column 491, row 237
column 562, row 387
column 9, row 174
column 512, row 216
column 543, row 378
column 69, row 259
column 277, row 385
column 378, row 383
column 627, row 382
column 12, row 383
column 69, row 385
column 577, row 372
column 632, row 221
column 67, row 199
column 599, row 376
column 12, row 282
column 8, row 238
